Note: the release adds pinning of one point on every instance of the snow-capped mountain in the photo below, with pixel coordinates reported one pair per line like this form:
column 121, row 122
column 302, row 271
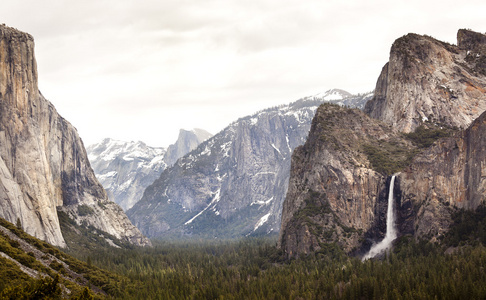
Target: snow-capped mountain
column 125, row 169
column 233, row 184
column 343, row 98
column 332, row 95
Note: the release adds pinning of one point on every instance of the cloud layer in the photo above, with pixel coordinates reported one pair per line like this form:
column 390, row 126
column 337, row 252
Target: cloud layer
column 140, row 70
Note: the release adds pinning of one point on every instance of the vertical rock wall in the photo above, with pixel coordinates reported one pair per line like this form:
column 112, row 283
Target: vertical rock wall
column 43, row 163
column 451, row 173
column 426, row 80
column 334, row 192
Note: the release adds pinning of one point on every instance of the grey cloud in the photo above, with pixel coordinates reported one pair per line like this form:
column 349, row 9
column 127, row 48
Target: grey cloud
column 136, row 57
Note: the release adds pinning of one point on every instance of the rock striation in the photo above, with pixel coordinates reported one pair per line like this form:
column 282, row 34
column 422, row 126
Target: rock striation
column 43, row 163
column 426, row 80
column 451, row 173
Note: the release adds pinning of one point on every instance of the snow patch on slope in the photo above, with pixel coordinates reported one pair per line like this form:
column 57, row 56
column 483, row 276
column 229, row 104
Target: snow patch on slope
column 262, row 221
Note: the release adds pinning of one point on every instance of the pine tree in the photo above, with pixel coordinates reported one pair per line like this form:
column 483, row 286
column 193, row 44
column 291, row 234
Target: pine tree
column 85, row 295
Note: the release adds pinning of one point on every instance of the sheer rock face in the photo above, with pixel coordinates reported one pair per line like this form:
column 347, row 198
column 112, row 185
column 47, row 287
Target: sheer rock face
column 334, row 194
column 428, row 80
column 451, row 173
column 43, row 163
column 335, row 197
column 187, row 141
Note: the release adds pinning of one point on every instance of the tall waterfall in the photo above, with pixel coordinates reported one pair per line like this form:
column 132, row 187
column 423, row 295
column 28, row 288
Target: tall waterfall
column 391, row 232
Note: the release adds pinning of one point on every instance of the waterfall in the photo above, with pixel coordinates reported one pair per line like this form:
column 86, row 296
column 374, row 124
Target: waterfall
column 391, row 232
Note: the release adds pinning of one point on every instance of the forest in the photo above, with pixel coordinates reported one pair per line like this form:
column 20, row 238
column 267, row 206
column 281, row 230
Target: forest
column 254, row 268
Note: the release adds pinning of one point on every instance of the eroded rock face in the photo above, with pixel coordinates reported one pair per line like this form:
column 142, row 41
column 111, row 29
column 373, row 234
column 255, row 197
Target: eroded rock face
column 429, row 80
column 43, row 163
column 335, row 195
column 474, row 43
column 451, row 173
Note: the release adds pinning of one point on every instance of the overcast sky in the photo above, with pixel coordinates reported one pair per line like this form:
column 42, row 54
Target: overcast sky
column 141, row 70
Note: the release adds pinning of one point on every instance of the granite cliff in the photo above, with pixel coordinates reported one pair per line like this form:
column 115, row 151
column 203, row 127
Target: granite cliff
column 426, row 80
column 187, row 141
column 232, row 184
column 43, row 164
column 429, row 90
column 450, row 174
column 338, row 181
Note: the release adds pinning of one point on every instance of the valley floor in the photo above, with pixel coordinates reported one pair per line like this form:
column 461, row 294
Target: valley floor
column 252, row 269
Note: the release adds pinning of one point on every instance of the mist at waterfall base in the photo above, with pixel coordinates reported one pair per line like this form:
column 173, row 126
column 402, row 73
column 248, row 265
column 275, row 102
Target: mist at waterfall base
column 391, row 232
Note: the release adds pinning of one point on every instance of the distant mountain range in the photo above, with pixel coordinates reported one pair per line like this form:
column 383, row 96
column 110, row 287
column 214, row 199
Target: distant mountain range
column 125, row 169
column 343, row 98
column 234, row 183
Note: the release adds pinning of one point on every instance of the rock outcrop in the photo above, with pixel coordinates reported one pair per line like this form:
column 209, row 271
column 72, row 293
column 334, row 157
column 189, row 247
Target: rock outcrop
column 43, row 163
column 187, row 141
column 429, row 80
column 451, row 173
column 336, row 195
column 336, row 192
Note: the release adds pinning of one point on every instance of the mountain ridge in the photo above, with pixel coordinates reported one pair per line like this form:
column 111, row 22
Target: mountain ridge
column 231, row 185
column 125, row 169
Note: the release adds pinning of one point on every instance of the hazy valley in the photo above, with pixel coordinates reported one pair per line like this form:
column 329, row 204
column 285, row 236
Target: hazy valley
column 281, row 204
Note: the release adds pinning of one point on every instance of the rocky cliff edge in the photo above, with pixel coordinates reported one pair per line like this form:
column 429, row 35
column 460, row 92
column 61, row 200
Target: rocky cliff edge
column 43, row 163
column 426, row 80
column 337, row 188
